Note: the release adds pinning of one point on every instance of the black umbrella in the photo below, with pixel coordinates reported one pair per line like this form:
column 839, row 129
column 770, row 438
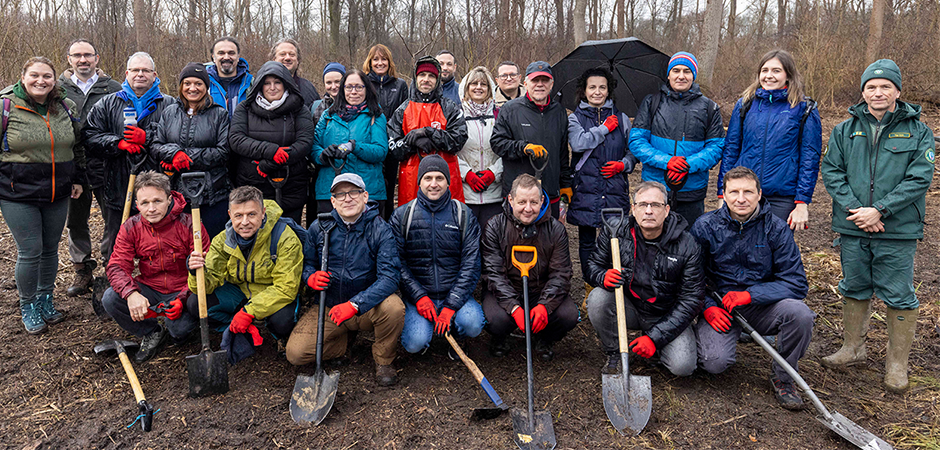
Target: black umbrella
column 639, row 69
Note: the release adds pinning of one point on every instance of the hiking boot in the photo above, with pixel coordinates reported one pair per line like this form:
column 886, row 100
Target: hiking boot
column 787, row 395
column 613, row 364
column 901, row 325
column 47, row 310
column 386, row 375
column 82, row 279
column 151, row 344
column 32, row 318
column 544, row 350
column 498, row 346
column 856, row 314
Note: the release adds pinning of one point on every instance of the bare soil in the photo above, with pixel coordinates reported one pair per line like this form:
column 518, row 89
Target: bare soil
column 58, row 394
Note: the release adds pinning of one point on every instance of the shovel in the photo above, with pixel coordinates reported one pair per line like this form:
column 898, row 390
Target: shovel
column 144, row 409
column 208, row 371
column 129, row 198
column 313, row 396
column 279, row 183
column 540, row 168
column 628, row 399
column 842, row 426
column 480, row 413
column 532, row 429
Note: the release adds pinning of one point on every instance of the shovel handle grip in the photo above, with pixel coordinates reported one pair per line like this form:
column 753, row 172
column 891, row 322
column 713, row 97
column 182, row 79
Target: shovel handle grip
column 524, row 266
column 618, row 297
column 129, row 197
column 132, row 377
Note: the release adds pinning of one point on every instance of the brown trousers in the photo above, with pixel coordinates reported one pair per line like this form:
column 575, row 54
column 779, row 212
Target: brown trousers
column 386, row 319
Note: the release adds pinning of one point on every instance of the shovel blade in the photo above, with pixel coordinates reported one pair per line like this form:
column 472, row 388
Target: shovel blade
column 313, row 397
column 489, row 413
column 628, row 401
column 539, row 437
column 854, row 433
column 208, row 373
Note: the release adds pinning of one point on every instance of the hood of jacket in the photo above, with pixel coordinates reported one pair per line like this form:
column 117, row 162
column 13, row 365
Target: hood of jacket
column 240, row 69
column 272, row 212
column 544, row 214
column 462, row 92
column 694, row 92
column 177, row 205
column 278, row 70
column 435, row 94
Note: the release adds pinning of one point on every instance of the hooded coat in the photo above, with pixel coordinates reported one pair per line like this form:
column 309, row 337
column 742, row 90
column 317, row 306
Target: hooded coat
column 366, row 158
column 392, row 92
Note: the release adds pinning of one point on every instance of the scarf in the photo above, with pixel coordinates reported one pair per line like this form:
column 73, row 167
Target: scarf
column 271, row 106
column 474, row 109
column 144, row 105
column 352, row 111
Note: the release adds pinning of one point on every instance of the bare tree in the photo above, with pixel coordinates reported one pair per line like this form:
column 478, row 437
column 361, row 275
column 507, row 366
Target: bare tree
column 875, row 29
column 711, row 31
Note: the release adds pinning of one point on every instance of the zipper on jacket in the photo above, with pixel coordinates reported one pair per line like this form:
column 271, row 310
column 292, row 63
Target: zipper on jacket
column 763, row 150
column 51, row 146
column 437, row 283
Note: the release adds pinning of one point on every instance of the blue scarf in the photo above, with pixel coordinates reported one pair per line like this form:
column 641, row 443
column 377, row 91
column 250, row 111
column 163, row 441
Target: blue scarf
column 143, row 105
column 352, row 111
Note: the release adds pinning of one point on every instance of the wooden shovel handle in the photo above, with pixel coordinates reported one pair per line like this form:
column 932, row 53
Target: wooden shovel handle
column 466, row 359
column 132, row 377
column 129, row 197
column 618, row 294
column 200, row 272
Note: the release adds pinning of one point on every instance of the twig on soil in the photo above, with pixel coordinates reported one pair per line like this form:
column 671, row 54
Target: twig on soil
column 350, row 445
column 729, row 420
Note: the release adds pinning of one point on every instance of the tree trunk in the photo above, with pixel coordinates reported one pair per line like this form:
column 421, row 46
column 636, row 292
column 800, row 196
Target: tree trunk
column 444, row 20
column 781, row 17
column 732, row 14
column 875, row 28
column 580, row 25
column 353, row 28
column 620, row 19
column 711, row 31
column 560, row 23
column 336, row 11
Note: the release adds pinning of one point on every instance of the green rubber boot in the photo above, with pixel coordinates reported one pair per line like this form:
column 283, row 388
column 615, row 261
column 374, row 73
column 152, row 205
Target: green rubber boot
column 856, row 315
column 901, row 326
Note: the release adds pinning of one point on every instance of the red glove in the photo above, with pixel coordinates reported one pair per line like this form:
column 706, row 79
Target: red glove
column 736, row 298
column 181, row 160
column 167, row 167
column 718, row 318
column 134, row 135
column 342, row 312
column 611, row 123
column 519, row 316
column 319, row 280
column 539, row 317
column 281, row 155
column 256, row 338
column 176, row 306
column 643, row 346
column 675, row 177
column 426, row 308
column 487, row 177
column 263, row 175
column 474, row 181
column 241, row 321
column 677, row 164
column 130, row 147
column 613, row 279
column 612, row 168
column 442, row 324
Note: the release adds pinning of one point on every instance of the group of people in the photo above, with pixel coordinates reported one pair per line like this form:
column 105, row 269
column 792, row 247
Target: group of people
column 479, row 167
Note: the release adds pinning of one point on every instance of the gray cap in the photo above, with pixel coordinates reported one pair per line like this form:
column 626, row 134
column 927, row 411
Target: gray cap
column 350, row 178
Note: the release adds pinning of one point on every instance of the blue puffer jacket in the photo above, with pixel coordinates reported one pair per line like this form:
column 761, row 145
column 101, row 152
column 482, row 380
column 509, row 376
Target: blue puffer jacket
column 366, row 159
column 758, row 256
column 768, row 145
column 679, row 127
column 436, row 261
column 593, row 192
column 237, row 89
column 363, row 259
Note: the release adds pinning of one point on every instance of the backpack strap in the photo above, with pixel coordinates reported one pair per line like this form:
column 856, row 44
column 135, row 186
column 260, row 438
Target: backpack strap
column 810, row 107
column 406, row 221
column 279, row 227
column 461, row 219
column 7, row 106
column 745, row 107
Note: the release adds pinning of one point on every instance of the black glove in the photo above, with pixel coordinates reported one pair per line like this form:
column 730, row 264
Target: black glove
column 268, row 167
column 413, row 136
column 424, row 143
column 331, row 152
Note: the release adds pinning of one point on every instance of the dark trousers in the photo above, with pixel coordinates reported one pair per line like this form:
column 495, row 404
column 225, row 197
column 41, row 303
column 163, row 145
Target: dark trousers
column 781, row 206
column 112, row 224
column 485, row 212
column 586, row 245
column 690, row 210
column 117, row 309
column 214, row 217
column 77, row 223
column 391, row 179
column 562, row 320
column 228, row 300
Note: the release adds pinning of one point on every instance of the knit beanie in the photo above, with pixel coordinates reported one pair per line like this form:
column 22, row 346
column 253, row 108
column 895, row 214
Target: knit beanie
column 427, row 67
column 195, row 70
column 684, row 59
column 433, row 163
column 883, row 68
column 334, row 67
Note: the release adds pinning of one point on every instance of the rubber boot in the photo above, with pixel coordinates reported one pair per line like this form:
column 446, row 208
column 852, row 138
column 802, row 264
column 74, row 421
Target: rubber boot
column 82, row 280
column 901, row 326
column 856, row 315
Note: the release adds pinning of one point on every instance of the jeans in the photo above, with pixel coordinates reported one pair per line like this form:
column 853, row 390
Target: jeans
column 417, row 333
column 117, row 309
column 79, row 234
column 37, row 250
column 781, row 206
column 112, row 224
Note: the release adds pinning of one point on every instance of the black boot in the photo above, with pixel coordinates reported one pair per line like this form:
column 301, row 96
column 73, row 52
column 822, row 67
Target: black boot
column 82, row 280
column 613, row 364
column 151, row 344
column 498, row 346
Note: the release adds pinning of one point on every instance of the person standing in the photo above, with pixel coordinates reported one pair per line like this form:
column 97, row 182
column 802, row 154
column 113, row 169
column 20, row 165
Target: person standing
column 509, row 82
column 229, row 75
column 449, row 86
column 84, row 85
column 333, row 75
column 287, row 52
column 392, row 92
column 481, row 168
column 878, row 167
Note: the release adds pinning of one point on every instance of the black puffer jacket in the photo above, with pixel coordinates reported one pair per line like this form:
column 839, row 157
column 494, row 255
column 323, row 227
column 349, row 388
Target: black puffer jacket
column 256, row 134
column 678, row 279
column 307, row 90
column 83, row 103
column 204, row 138
column 392, row 92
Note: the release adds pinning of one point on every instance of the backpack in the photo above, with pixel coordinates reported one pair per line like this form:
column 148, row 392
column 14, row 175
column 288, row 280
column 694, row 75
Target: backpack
column 810, row 107
column 279, row 227
column 409, row 214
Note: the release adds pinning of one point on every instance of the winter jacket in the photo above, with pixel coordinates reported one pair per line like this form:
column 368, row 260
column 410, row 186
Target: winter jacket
column 162, row 250
column 677, row 276
column 549, row 279
column 477, row 155
column 256, row 134
column 366, row 158
column 268, row 283
column 438, row 259
column 319, row 107
column 39, row 161
column 593, row 146
column 237, row 90
column 500, row 98
column 307, row 90
column 893, row 178
column 679, row 127
column 758, row 256
column 521, row 123
column 363, row 259
column 768, row 145
column 103, row 131
column 204, row 138
column 94, row 172
column 451, row 89
column 392, row 92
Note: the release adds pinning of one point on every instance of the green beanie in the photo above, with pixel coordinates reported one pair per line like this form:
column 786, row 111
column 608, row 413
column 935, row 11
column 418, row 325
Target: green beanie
column 883, row 68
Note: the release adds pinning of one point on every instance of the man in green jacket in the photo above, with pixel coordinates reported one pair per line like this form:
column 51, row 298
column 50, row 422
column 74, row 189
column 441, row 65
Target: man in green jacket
column 877, row 168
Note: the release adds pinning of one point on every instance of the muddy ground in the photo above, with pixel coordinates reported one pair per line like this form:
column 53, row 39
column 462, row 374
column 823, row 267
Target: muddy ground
column 56, row 393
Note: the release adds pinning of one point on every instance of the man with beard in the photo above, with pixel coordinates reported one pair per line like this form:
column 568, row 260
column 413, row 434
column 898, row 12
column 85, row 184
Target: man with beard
column 449, row 84
column 228, row 74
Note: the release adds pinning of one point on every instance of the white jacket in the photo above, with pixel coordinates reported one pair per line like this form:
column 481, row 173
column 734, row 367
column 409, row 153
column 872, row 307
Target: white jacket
column 477, row 155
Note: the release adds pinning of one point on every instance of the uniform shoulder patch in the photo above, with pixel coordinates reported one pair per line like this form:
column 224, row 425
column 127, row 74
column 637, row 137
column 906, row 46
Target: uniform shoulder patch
column 899, row 135
column 857, row 133
column 930, row 155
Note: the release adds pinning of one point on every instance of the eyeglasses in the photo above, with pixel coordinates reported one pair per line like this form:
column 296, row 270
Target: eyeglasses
column 655, row 205
column 141, row 71
column 354, row 87
column 82, row 55
column 353, row 194
column 508, row 76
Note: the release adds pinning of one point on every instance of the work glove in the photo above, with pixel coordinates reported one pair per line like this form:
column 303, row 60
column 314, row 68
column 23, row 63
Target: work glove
column 612, row 168
column 611, row 123
column 675, row 178
column 319, row 280
column 347, row 147
column 241, row 321
column 442, row 324
column 426, row 308
column 566, row 194
column 135, row 135
column 473, row 180
column 734, row 299
column 175, row 310
column 167, row 167
column 130, row 147
column 269, row 168
column 487, row 177
column 535, row 150
column 281, row 156
column 331, row 152
column 424, row 143
column 256, row 338
column 539, row 317
column 613, row 279
column 643, row 346
column 519, row 316
column 677, row 164
column 718, row 318
column 261, row 172
column 181, row 161
column 413, row 135
column 342, row 312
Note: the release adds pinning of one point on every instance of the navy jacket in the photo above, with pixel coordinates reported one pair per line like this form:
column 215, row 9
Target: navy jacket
column 451, row 90
column 436, row 260
column 362, row 260
column 759, row 256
